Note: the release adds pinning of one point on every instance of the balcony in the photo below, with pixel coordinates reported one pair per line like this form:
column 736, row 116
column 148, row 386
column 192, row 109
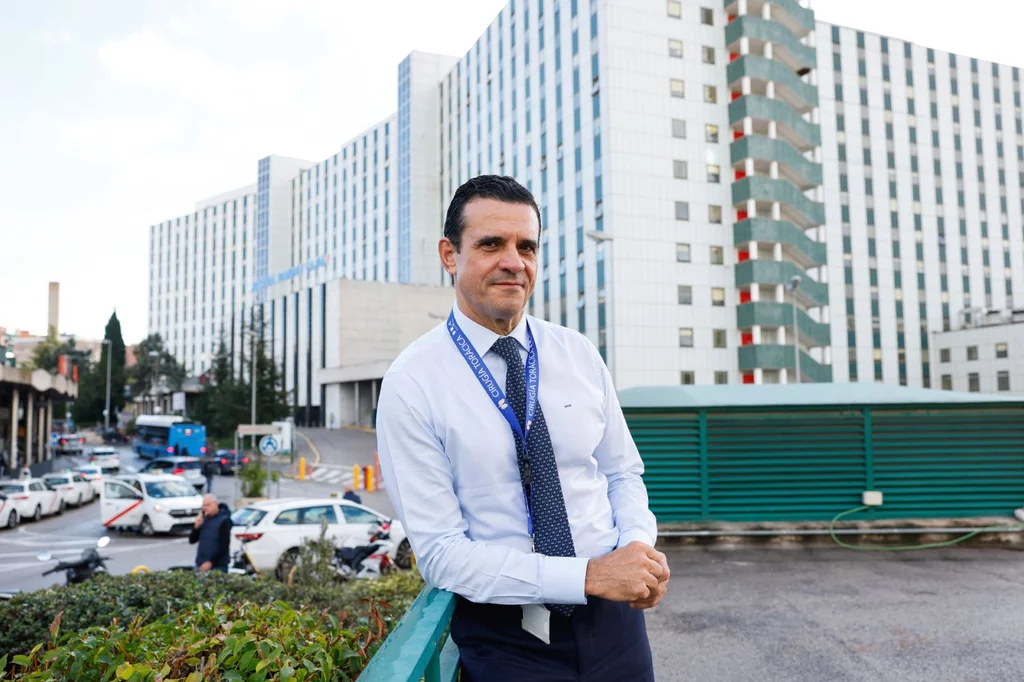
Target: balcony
column 797, row 19
column 794, row 205
column 810, row 294
column 790, row 125
column 770, row 356
column 793, row 166
column 786, row 47
column 772, row 314
column 801, row 95
column 796, row 245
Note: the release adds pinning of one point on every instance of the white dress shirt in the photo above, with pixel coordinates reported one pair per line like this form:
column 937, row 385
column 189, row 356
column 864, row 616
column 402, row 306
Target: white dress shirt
column 448, row 460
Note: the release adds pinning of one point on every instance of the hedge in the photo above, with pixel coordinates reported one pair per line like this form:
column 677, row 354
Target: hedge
column 179, row 626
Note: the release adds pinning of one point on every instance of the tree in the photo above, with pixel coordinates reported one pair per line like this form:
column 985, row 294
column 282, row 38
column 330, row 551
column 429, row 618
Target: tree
column 154, row 367
column 47, row 352
column 92, row 379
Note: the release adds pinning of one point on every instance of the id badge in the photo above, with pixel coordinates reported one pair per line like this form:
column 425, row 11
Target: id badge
column 537, row 621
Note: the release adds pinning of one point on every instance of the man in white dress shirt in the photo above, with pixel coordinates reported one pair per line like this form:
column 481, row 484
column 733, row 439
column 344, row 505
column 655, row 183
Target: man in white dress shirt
column 511, row 467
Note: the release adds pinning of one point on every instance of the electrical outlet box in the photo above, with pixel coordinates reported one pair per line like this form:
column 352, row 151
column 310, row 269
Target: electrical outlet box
column 871, row 498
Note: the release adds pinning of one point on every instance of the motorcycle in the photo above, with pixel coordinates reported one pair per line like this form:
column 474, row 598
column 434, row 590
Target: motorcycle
column 82, row 569
column 365, row 560
column 238, row 564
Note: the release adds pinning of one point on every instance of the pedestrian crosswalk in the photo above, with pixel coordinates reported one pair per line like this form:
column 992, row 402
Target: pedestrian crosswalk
column 332, row 475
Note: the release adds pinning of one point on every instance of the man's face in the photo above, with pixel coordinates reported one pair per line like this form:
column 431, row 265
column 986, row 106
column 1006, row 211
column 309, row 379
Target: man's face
column 210, row 507
column 496, row 267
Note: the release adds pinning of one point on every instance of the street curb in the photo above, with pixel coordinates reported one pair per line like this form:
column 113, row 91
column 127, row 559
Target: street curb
column 316, row 452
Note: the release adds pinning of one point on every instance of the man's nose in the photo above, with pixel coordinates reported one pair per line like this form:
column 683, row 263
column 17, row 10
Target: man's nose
column 512, row 260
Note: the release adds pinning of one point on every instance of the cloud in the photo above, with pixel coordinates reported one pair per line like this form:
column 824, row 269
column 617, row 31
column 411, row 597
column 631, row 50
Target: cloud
column 55, row 37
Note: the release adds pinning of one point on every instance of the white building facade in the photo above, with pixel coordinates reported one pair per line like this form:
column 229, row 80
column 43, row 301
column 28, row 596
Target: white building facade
column 984, row 356
column 693, row 161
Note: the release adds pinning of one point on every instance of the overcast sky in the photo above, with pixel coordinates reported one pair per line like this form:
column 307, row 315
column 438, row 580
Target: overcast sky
column 118, row 114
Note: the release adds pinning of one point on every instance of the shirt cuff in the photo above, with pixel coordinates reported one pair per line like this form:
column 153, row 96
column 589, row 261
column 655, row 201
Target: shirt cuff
column 563, row 580
column 635, row 534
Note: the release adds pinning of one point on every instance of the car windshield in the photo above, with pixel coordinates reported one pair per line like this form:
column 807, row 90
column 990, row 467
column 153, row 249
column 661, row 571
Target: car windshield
column 193, row 464
column 247, row 516
column 57, row 480
column 12, row 488
column 89, row 470
column 162, row 489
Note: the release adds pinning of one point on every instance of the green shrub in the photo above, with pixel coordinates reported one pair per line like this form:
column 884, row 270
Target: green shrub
column 213, row 642
column 25, row 619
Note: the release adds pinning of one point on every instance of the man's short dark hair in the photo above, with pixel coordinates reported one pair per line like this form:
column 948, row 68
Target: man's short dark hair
column 499, row 187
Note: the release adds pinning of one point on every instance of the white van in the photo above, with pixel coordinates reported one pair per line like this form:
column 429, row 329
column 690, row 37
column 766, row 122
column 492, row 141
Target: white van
column 149, row 503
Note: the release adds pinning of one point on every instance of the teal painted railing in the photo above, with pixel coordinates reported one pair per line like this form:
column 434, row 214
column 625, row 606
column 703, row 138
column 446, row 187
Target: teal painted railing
column 762, row 271
column 807, row 135
column 798, row 15
column 419, row 647
column 774, row 356
column 764, row 463
column 773, row 314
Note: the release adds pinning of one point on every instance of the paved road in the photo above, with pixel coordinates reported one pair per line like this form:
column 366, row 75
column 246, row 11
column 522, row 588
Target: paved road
column 67, row 535
column 817, row 615
column 340, row 449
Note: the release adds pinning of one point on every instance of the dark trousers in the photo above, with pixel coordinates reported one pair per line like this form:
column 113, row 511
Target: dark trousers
column 601, row 642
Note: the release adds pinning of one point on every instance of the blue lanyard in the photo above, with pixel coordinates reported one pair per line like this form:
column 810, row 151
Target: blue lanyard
column 483, row 375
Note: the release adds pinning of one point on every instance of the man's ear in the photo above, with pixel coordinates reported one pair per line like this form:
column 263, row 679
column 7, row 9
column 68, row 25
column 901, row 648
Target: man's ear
column 446, row 250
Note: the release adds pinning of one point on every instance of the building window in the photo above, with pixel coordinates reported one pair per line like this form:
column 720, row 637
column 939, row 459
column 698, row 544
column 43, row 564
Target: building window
column 710, row 133
column 679, row 170
column 675, row 48
column 707, row 17
column 677, row 88
column 675, row 9
column 685, row 294
column 714, row 173
column 686, row 339
column 708, row 54
column 710, row 94
column 973, row 385
column 718, row 297
column 1003, row 381
column 686, row 378
column 718, row 338
column 721, row 378
column 1002, row 350
column 947, row 382
column 715, row 214
column 944, row 355
column 679, row 128
column 682, row 253
column 682, row 210
column 717, row 255
column 972, row 352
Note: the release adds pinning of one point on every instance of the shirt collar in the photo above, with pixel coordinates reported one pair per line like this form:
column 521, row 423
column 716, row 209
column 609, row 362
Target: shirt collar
column 483, row 338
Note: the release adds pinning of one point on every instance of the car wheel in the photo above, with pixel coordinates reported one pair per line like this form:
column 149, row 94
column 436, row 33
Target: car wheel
column 403, row 555
column 60, row 508
column 79, row 500
column 38, row 514
column 286, row 565
column 12, row 520
column 146, row 527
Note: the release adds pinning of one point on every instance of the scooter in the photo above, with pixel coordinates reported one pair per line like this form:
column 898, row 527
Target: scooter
column 82, row 569
column 365, row 560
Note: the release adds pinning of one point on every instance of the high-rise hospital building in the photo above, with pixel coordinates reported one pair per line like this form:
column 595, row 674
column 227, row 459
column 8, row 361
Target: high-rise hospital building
column 705, row 170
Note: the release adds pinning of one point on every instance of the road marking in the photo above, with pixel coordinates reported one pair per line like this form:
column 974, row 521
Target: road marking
column 325, row 475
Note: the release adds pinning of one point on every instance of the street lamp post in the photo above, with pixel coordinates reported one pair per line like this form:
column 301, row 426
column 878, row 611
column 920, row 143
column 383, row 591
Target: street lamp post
column 152, row 380
column 600, row 237
column 793, row 285
column 106, row 411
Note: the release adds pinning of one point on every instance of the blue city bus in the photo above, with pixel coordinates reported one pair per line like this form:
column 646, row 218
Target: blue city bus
column 157, row 435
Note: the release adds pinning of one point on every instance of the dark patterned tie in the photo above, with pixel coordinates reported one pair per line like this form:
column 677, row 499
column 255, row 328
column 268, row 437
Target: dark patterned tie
column 551, row 534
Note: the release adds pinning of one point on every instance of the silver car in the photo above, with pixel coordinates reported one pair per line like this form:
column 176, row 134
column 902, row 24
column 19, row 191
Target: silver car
column 189, row 468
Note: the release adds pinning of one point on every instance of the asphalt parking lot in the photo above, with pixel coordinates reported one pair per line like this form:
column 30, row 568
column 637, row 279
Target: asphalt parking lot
column 818, row 615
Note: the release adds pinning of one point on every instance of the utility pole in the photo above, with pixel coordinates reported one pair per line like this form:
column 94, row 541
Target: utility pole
column 106, row 412
column 793, row 285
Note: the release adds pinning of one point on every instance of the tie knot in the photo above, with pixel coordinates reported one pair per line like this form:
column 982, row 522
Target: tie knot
column 507, row 349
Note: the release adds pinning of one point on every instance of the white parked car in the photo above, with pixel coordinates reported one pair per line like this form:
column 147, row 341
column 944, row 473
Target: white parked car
column 93, row 474
column 149, row 503
column 32, row 498
column 73, row 488
column 274, row 529
column 8, row 514
column 106, row 458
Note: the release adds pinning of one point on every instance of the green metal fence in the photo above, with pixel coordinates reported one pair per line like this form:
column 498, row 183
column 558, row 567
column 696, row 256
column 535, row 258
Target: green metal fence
column 804, row 464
